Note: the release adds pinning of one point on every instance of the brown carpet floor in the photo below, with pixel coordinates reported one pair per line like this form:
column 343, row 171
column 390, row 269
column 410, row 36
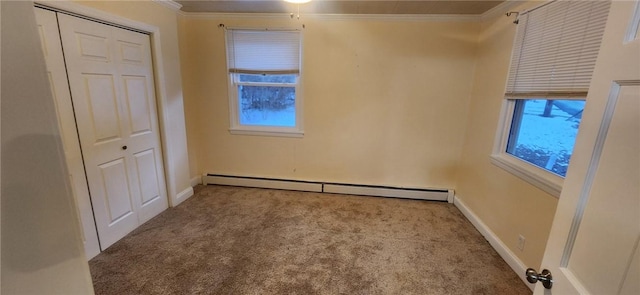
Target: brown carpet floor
column 230, row 240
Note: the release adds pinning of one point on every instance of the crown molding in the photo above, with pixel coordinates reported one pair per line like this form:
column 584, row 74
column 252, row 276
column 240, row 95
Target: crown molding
column 399, row 17
column 217, row 15
column 173, row 5
column 338, row 17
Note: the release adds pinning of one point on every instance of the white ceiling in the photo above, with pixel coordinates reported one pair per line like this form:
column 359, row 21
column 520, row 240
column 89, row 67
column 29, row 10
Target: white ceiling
column 473, row 7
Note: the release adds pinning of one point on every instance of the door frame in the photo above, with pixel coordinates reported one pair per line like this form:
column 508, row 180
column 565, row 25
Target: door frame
column 158, row 78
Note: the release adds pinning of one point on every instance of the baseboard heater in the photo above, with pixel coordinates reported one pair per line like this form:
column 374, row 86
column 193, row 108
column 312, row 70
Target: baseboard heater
column 334, row 188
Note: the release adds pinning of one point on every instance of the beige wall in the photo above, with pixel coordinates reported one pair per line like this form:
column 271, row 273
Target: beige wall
column 385, row 102
column 172, row 108
column 508, row 205
column 187, row 72
column 42, row 251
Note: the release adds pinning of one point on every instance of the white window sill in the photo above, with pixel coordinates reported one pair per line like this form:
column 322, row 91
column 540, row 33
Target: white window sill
column 266, row 131
column 540, row 178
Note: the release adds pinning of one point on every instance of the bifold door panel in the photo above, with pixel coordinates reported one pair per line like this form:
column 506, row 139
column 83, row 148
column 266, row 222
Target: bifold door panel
column 110, row 79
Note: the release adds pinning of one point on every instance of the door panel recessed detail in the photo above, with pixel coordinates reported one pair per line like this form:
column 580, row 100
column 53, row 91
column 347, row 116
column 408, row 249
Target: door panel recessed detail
column 131, row 52
column 101, row 96
column 93, row 47
column 116, row 189
column 136, row 94
column 147, row 177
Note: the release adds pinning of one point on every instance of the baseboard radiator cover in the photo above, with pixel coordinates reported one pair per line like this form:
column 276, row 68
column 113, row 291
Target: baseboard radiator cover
column 326, row 187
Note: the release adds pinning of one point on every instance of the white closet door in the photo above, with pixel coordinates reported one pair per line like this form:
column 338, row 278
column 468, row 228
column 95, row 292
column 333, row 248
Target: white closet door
column 111, row 82
column 50, row 40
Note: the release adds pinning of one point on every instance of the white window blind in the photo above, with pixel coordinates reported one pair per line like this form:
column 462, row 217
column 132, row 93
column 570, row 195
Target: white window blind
column 555, row 49
column 263, row 52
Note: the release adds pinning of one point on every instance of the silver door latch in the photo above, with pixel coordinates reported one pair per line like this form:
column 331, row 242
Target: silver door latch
column 545, row 277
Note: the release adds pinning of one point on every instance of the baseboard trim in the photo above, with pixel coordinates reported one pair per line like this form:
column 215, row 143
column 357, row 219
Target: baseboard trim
column 196, row 180
column 512, row 260
column 326, row 187
column 183, row 196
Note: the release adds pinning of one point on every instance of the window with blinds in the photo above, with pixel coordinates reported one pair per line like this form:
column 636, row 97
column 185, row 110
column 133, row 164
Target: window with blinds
column 554, row 54
column 555, row 49
column 264, row 74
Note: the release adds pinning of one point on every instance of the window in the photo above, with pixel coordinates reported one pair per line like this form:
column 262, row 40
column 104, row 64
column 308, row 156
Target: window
column 264, row 79
column 554, row 54
column 543, row 132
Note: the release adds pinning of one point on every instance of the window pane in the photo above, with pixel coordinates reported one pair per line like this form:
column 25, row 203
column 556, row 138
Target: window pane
column 267, row 106
column 267, row 78
column 543, row 132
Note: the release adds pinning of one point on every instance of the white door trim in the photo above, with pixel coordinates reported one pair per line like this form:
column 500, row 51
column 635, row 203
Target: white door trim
column 158, row 72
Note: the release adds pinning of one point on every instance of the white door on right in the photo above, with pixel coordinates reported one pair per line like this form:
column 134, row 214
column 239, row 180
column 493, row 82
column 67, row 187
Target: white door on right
column 593, row 247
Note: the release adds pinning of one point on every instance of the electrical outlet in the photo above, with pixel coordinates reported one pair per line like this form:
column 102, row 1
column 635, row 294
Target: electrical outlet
column 521, row 242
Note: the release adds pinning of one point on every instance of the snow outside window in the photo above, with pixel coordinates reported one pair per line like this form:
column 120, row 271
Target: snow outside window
column 543, row 132
column 264, row 78
column 267, row 100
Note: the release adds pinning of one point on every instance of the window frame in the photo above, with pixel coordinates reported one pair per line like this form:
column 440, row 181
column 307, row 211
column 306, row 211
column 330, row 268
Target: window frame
column 535, row 175
column 233, row 81
column 234, row 103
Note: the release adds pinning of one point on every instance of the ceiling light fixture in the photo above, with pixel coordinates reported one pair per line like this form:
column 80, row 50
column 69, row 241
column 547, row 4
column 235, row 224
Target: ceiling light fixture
column 298, row 1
